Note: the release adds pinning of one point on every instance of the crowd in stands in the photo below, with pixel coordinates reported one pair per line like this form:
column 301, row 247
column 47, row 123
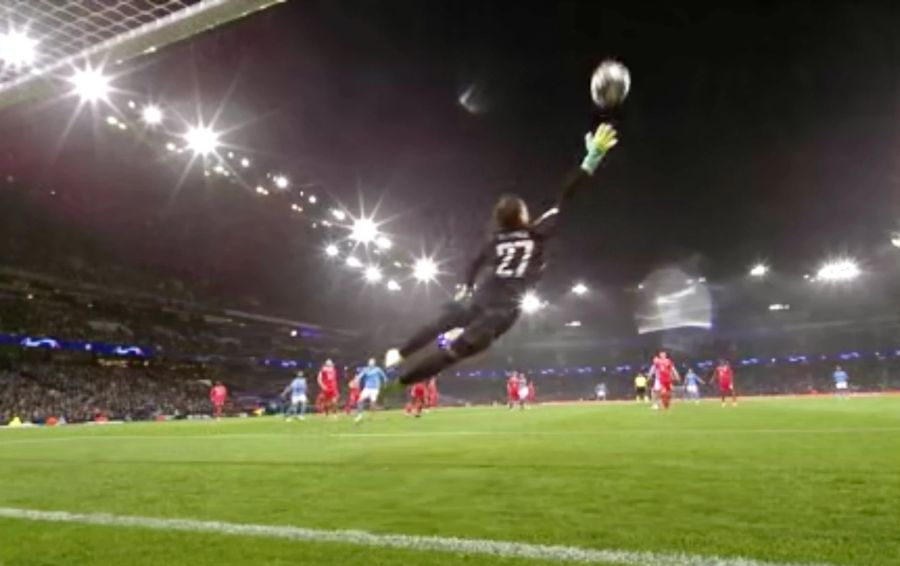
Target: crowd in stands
column 42, row 310
column 81, row 393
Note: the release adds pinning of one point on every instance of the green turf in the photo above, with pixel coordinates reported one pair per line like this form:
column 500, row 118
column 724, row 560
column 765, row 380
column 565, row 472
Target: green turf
column 780, row 480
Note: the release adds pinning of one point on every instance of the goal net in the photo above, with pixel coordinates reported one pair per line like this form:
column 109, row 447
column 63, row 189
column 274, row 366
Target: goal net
column 39, row 39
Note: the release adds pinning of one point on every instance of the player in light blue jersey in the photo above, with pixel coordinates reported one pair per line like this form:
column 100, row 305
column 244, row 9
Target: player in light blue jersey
column 371, row 378
column 297, row 390
column 841, row 382
column 692, row 383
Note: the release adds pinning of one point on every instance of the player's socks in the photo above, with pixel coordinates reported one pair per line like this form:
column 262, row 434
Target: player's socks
column 392, row 358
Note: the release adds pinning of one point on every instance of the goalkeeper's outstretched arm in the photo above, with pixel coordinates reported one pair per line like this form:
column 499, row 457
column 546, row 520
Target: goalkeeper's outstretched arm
column 597, row 144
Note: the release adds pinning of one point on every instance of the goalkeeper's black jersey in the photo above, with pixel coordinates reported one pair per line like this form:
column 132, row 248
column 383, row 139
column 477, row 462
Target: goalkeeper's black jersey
column 512, row 261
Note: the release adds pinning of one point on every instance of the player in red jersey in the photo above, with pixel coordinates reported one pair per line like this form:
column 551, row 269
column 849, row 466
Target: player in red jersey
column 418, row 398
column 725, row 380
column 431, row 399
column 217, row 396
column 512, row 390
column 664, row 371
column 328, row 389
column 531, row 391
column 352, row 395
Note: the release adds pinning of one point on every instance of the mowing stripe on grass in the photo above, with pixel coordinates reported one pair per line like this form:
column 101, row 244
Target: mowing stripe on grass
column 11, row 441
column 503, row 549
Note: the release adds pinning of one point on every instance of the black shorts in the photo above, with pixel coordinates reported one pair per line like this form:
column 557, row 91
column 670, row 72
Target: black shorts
column 640, row 390
column 482, row 323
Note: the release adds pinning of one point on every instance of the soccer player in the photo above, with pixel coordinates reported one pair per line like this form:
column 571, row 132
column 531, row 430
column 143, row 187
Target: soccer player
column 512, row 390
column 431, row 399
column 531, row 391
column 297, row 390
column 352, row 395
column 663, row 370
column 522, row 390
column 725, row 379
column 692, row 383
column 515, row 254
column 841, row 381
column 640, row 387
column 217, row 396
column 417, row 399
column 371, row 378
column 600, row 391
column 326, row 401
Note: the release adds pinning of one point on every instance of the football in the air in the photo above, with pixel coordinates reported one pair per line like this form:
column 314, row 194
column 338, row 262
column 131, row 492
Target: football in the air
column 610, row 84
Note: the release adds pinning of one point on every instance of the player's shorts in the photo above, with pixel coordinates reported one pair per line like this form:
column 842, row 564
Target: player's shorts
column 297, row 399
column 418, row 391
column 329, row 394
column 523, row 394
column 642, row 391
column 369, row 394
column 692, row 389
column 726, row 388
column 483, row 320
column 664, row 386
column 842, row 385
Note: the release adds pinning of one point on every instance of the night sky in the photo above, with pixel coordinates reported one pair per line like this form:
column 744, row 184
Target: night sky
column 753, row 131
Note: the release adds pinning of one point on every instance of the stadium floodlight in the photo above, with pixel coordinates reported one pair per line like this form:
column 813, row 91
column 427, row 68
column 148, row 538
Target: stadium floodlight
column 112, row 120
column 353, row 262
column 17, row 49
column 339, row 214
column 895, row 239
column 364, row 230
column 152, row 115
column 331, row 250
column 293, row 333
column 759, row 270
column 245, row 162
column 393, row 286
column 779, row 307
column 90, row 84
column 839, row 270
column 384, row 242
column 580, row 289
column 574, row 324
column 262, row 191
column 425, row 270
column 313, row 199
column 281, row 181
column 202, row 140
column 531, row 303
column 373, row 274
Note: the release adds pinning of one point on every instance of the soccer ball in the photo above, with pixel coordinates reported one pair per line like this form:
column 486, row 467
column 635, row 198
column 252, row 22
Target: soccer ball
column 610, row 84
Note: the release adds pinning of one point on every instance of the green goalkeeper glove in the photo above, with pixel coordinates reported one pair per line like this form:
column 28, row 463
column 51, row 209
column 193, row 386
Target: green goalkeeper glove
column 597, row 144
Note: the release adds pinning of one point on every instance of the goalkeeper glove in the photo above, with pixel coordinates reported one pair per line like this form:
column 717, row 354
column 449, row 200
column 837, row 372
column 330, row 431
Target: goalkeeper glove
column 597, row 144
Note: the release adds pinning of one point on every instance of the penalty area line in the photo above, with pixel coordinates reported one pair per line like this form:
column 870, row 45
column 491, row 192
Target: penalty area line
column 453, row 545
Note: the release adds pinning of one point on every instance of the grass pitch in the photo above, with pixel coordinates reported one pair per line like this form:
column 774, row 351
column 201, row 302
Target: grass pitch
column 777, row 480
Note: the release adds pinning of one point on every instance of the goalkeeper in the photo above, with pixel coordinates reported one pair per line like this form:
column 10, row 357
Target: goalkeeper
column 510, row 263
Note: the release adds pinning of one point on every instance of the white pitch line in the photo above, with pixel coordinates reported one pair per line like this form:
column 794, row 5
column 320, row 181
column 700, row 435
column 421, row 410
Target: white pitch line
column 483, row 547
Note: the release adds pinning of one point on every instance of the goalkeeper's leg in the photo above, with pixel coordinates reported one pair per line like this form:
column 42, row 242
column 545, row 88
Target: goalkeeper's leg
column 477, row 337
column 455, row 315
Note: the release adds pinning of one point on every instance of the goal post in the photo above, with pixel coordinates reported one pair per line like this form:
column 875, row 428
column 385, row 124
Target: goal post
column 71, row 32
